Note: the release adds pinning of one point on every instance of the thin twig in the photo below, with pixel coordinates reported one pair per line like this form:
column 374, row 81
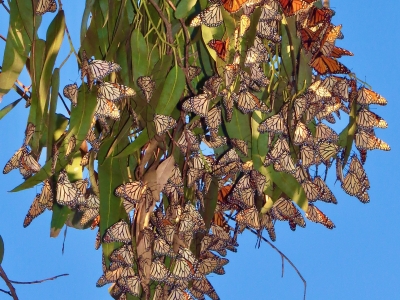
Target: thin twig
column 287, row 259
column 65, row 105
column 280, row 252
column 167, row 25
column 187, row 44
column 38, row 281
column 6, row 292
column 3, row 275
column 5, row 7
column 3, row 38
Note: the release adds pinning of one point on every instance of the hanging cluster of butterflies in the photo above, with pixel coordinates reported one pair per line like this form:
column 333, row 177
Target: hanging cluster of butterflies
column 175, row 270
column 301, row 142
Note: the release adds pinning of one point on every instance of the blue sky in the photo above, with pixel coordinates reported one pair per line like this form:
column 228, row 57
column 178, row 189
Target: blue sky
column 359, row 259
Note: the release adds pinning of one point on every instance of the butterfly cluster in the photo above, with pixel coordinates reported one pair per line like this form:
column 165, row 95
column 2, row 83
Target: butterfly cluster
column 265, row 119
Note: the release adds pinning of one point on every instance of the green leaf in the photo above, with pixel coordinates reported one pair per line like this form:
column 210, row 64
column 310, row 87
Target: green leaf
column 55, row 86
column 139, row 54
column 138, row 143
column 1, row 249
column 5, row 110
column 305, row 71
column 183, row 8
column 85, row 18
column 290, row 186
column 173, row 88
column 112, row 172
column 27, row 15
column 210, row 202
column 16, row 51
column 239, row 128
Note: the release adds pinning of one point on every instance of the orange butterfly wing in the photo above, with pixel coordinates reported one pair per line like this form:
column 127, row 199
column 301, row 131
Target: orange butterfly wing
column 233, row 5
column 327, row 65
column 220, row 47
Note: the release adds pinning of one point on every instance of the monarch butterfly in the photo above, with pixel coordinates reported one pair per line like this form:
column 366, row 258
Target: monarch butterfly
column 284, row 210
column 89, row 215
column 115, row 91
column 176, row 177
column 228, row 157
column 163, row 123
column 203, row 286
column 45, row 6
column 231, row 71
column 248, row 217
column 254, row 56
column 215, row 142
column 327, row 65
column 183, row 269
column 97, row 241
column 197, row 104
column 318, row 91
column 258, row 181
column 233, row 6
column 240, row 145
column 310, row 38
column 147, row 85
column 209, row 265
column 71, row 92
column 301, row 134
column 357, row 169
column 35, row 210
column 166, row 229
column 280, row 147
column 368, row 141
column 363, row 155
column 266, row 222
column 15, row 160
column 292, row 7
column 268, row 30
column 161, row 248
column 268, row 13
column 367, row 119
column 131, row 191
column 219, row 231
column 327, row 150
column 243, row 197
column 123, row 256
column 338, row 52
column 300, row 106
column 99, row 68
column 193, row 71
column 315, row 215
column 28, row 165
column 351, row 184
column 192, row 140
column 248, row 102
column 158, row 271
column 213, row 118
column 338, row 86
column 109, row 277
column 118, row 232
column 274, row 124
column 325, row 193
column 220, row 47
column 227, row 100
column 301, row 174
column 211, row 86
column 324, row 132
column 317, row 16
column 307, row 155
column 211, row 16
column 71, row 145
column 29, row 131
column 67, row 193
column 219, row 220
column 46, row 195
column 366, row 97
column 311, row 190
column 131, row 284
column 257, row 74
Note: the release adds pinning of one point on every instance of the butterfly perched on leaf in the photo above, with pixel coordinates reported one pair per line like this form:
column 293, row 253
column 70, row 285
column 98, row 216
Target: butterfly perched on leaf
column 163, row 123
column 147, row 85
column 210, row 17
column 220, row 47
column 45, row 6
column 70, row 91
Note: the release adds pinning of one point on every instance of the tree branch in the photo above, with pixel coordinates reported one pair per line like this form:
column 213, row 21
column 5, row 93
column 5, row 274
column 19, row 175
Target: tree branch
column 38, row 281
column 5, row 7
column 12, row 292
column 6, row 292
